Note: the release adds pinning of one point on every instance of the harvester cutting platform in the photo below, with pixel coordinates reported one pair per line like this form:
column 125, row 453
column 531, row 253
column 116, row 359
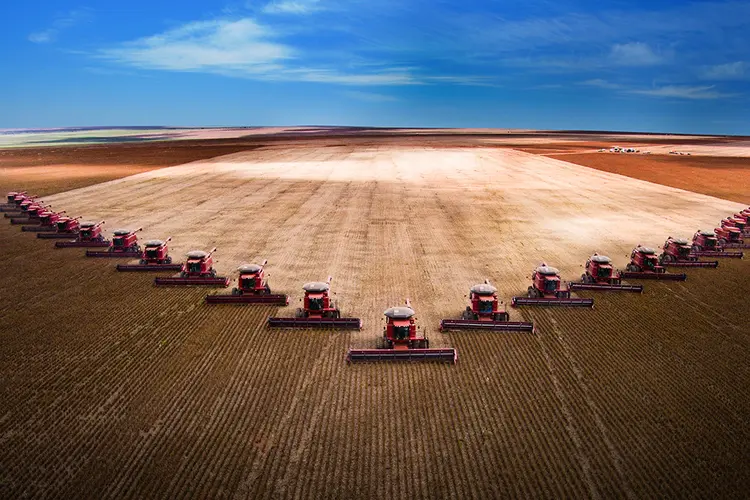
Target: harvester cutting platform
column 89, row 235
column 705, row 244
column 318, row 311
column 600, row 275
column 124, row 245
column 65, row 227
column 155, row 257
column 644, row 265
column 547, row 290
column 252, row 288
column 402, row 342
column 678, row 253
column 485, row 312
column 197, row 270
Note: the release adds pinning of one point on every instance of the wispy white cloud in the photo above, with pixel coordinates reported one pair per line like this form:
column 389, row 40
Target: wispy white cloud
column 602, row 84
column 729, row 71
column 369, row 96
column 634, row 54
column 292, row 7
column 682, row 92
column 72, row 18
column 219, row 45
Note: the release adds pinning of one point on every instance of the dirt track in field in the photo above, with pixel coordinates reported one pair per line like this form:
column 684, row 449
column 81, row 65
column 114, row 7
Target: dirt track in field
column 113, row 387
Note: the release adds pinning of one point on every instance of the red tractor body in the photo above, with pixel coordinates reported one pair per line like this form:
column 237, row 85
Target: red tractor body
column 318, row 310
column 155, row 257
column 47, row 222
column 678, row 252
column 547, row 290
column 729, row 236
column 401, row 341
column 65, row 227
column 485, row 312
column 252, row 289
column 197, row 270
column 124, row 245
column 644, row 264
column 601, row 275
column 89, row 235
column 705, row 244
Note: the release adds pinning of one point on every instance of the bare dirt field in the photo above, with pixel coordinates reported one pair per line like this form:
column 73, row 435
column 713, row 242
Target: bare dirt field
column 114, row 388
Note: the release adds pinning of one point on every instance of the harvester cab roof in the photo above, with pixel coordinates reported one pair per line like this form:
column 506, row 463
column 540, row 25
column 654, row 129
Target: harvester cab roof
column 646, row 250
column 707, row 234
column 399, row 313
column 316, row 287
column 250, row 269
column 601, row 259
column 154, row 243
column 485, row 290
column 121, row 232
column 545, row 270
column 197, row 254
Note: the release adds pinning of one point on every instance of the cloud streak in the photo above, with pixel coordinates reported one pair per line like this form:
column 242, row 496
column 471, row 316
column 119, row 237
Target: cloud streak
column 72, row 18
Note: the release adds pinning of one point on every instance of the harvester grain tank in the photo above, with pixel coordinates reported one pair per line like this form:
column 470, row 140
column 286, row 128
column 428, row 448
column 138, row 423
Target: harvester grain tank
column 317, row 311
column 252, row 288
column 155, row 257
column 124, row 245
column 644, row 264
column 485, row 312
column 65, row 228
column 678, row 252
column 601, row 275
column 547, row 290
column 197, row 270
column 705, row 244
column 89, row 235
column 402, row 341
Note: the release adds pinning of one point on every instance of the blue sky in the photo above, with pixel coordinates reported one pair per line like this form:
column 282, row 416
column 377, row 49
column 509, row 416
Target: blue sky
column 576, row 64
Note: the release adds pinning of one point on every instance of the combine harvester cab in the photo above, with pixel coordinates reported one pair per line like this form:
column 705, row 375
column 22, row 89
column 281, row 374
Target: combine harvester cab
column 600, row 275
column 729, row 234
column 678, row 252
column 89, row 235
column 197, row 270
column 547, row 290
column 124, row 245
column 402, row 342
column 155, row 257
column 644, row 265
column 485, row 313
column 47, row 222
column 65, row 227
column 705, row 244
column 252, row 288
column 318, row 311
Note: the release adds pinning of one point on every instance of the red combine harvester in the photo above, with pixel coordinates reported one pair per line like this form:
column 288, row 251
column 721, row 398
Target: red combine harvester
column 730, row 235
column 13, row 207
column 47, row 222
column 679, row 253
column 30, row 215
column 318, row 311
column 485, row 313
column 547, row 290
column 89, row 235
column 66, row 227
column 252, row 289
column 644, row 264
column 197, row 270
column 402, row 342
column 155, row 257
column 705, row 244
column 124, row 245
column 600, row 275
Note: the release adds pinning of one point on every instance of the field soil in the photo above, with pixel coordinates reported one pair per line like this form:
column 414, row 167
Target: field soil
column 720, row 176
column 112, row 387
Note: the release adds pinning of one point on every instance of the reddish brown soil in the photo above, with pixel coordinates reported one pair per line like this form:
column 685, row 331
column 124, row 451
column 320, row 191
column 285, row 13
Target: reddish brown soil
column 723, row 177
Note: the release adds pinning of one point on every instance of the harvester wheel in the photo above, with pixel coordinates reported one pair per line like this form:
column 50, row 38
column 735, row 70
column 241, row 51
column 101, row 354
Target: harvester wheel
column 467, row 314
column 722, row 242
column 696, row 248
column 212, row 273
column 143, row 262
column 169, row 260
column 235, row 291
column 633, row 268
column 267, row 290
column 299, row 313
column 665, row 257
column 503, row 316
column 183, row 274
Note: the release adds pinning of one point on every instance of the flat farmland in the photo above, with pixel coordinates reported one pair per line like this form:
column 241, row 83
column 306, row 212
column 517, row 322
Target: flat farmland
column 114, row 388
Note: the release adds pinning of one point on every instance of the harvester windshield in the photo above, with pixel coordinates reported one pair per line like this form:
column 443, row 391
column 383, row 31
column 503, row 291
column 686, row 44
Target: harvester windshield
column 85, row 232
column 710, row 243
column 248, row 283
column 152, row 252
column 684, row 250
column 315, row 302
column 61, row 225
column 550, row 285
column 118, row 241
column 401, row 332
column 194, row 266
column 604, row 272
column 485, row 306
